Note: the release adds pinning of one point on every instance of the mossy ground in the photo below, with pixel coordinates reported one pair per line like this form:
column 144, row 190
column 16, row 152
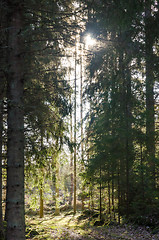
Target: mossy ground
column 65, row 226
column 68, row 226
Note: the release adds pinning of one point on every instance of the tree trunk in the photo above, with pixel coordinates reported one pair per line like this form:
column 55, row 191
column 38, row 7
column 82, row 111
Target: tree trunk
column 1, row 128
column 74, row 205
column 150, row 123
column 119, row 193
column 81, row 98
column 142, row 174
column 15, row 150
column 57, row 209
column 113, row 207
column 3, row 54
column 41, row 204
column 129, row 144
column 100, row 195
column 71, row 162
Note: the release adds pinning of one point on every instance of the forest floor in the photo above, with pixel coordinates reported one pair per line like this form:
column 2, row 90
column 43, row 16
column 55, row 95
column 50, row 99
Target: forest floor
column 67, row 226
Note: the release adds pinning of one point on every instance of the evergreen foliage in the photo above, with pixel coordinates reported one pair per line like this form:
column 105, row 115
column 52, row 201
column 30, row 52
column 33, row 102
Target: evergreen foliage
column 122, row 99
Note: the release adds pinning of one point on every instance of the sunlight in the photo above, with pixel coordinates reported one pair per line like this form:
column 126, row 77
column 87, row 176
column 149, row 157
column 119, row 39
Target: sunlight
column 89, row 40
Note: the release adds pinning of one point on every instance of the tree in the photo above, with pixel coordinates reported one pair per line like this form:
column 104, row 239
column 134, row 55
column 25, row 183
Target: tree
column 26, row 33
column 2, row 95
column 15, row 149
column 150, row 120
column 122, row 109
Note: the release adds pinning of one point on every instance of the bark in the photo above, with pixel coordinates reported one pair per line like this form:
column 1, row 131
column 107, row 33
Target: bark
column 150, row 123
column 15, row 148
column 3, row 43
column 109, row 198
column 100, row 195
column 142, row 173
column 113, row 206
column 1, row 128
column 71, row 162
column 41, row 204
column 129, row 144
column 119, row 193
column 81, row 98
column 74, row 205
column 57, row 209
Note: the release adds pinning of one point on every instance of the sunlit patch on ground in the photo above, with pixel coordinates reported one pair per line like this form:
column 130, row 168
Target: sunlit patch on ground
column 77, row 227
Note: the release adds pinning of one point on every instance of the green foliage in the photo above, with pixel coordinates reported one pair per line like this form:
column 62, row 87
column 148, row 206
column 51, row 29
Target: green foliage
column 118, row 132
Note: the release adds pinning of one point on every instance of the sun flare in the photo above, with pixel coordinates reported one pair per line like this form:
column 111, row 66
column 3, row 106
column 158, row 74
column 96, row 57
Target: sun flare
column 89, row 41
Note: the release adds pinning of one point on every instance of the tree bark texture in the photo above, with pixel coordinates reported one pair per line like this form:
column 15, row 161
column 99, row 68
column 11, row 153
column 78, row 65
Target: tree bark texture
column 3, row 43
column 150, row 123
column 75, row 152
column 41, row 204
column 15, row 151
column 1, row 128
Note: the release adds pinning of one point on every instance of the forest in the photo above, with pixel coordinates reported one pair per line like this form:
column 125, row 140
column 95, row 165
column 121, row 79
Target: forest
column 79, row 119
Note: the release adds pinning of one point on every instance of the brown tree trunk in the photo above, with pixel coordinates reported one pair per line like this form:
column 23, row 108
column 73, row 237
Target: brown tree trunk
column 15, row 150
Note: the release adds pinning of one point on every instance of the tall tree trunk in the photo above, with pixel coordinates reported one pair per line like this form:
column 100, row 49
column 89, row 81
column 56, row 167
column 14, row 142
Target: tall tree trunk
column 3, row 54
column 1, row 128
column 150, row 122
column 119, row 193
column 71, row 164
column 113, row 205
column 81, row 98
column 109, row 197
column 129, row 144
column 41, row 212
column 142, row 174
column 100, row 195
column 75, row 184
column 15, row 150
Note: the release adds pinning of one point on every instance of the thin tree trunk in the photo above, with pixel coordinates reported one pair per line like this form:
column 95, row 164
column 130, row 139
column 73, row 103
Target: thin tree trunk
column 81, row 98
column 41, row 203
column 92, row 197
column 57, row 208
column 41, row 212
column 150, row 122
column 74, row 205
column 113, row 206
column 100, row 195
column 109, row 201
column 129, row 144
column 119, row 200
column 142, row 173
column 15, row 150
column 71, row 164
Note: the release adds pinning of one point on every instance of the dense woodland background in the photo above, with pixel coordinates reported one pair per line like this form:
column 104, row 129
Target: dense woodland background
column 54, row 150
